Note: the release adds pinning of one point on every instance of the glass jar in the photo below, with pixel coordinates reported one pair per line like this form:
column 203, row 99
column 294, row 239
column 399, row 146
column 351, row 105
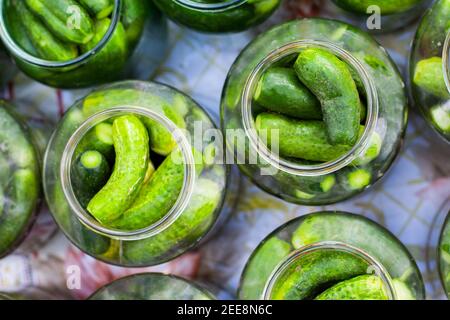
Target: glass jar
column 8, row 68
column 444, row 253
column 382, row 15
column 119, row 37
column 306, row 182
column 312, row 256
column 20, row 181
column 218, row 15
column 151, row 286
column 430, row 68
column 162, row 214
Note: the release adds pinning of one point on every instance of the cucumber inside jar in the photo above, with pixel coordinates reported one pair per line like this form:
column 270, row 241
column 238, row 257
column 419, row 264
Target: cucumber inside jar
column 218, row 16
column 430, row 68
column 131, row 188
column 331, row 256
column 444, row 256
column 19, row 180
column 73, row 43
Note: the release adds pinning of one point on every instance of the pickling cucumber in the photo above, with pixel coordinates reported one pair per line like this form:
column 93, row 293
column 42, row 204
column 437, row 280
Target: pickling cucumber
column 131, row 144
column 365, row 287
column 355, row 178
column 280, row 90
column 332, row 83
column 372, row 152
column 190, row 225
column 89, row 174
column 262, row 264
column 99, row 8
column 429, row 75
column 66, row 19
column 440, row 115
column 318, row 270
column 387, row 7
column 300, row 138
column 99, row 138
column 46, row 44
column 18, row 31
column 134, row 14
column 156, row 197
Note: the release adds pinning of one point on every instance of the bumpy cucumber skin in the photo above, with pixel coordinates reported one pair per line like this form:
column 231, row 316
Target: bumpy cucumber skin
column 99, row 8
column 429, row 75
column 366, row 287
column 190, row 225
column 99, row 139
column 132, row 155
column 57, row 15
column 156, row 197
column 261, row 266
column 46, row 44
column 387, row 7
column 316, row 271
column 331, row 81
column 300, row 139
column 18, row 31
column 86, row 182
column 280, row 90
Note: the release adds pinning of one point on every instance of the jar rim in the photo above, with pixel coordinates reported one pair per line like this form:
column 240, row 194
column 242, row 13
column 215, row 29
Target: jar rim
column 175, row 211
column 323, row 168
column 446, row 61
column 11, row 44
column 373, row 263
column 225, row 4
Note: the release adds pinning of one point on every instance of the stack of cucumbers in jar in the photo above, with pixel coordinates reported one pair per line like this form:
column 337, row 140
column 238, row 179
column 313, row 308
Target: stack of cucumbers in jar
column 316, row 106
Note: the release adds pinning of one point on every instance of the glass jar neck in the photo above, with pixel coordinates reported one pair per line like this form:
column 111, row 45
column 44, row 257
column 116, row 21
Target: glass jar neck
column 21, row 54
column 446, row 61
column 224, row 4
column 288, row 166
column 296, row 257
column 170, row 217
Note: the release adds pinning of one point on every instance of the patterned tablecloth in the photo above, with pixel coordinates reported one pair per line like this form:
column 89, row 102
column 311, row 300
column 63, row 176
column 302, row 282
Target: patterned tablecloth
column 408, row 201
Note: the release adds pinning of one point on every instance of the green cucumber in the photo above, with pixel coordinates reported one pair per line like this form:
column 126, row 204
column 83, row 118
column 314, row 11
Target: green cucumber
column 17, row 30
column 132, row 156
column 156, row 197
column 46, row 44
column 115, row 48
column 318, row 270
column 99, row 8
column 89, row 174
column 66, row 19
column 23, row 195
column 299, row 139
column 280, row 90
column 429, row 75
column 372, row 152
column 5, row 170
column 440, row 115
column 331, row 81
column 262, row 264
column 355, row 178
column 387, row 7
column 403, row 292
column 99, row 138
column 366, row 287
column 134, row 14
column 195, row 220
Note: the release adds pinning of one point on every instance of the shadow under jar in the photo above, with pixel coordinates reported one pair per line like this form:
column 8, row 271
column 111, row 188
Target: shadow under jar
column 380, row 16
column 81, row 43
column 314, row 111
column 331, row 256
column 131, row 174
column 152, row 286
column 218, row 15
column 20, row 179
column 430, row 68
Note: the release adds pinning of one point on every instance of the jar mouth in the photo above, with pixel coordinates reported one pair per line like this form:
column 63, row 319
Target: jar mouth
column 288, row 166
column 373, row 265
column 11, row 44
column 225, row 4
column 170, row 217
column 446, row 61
